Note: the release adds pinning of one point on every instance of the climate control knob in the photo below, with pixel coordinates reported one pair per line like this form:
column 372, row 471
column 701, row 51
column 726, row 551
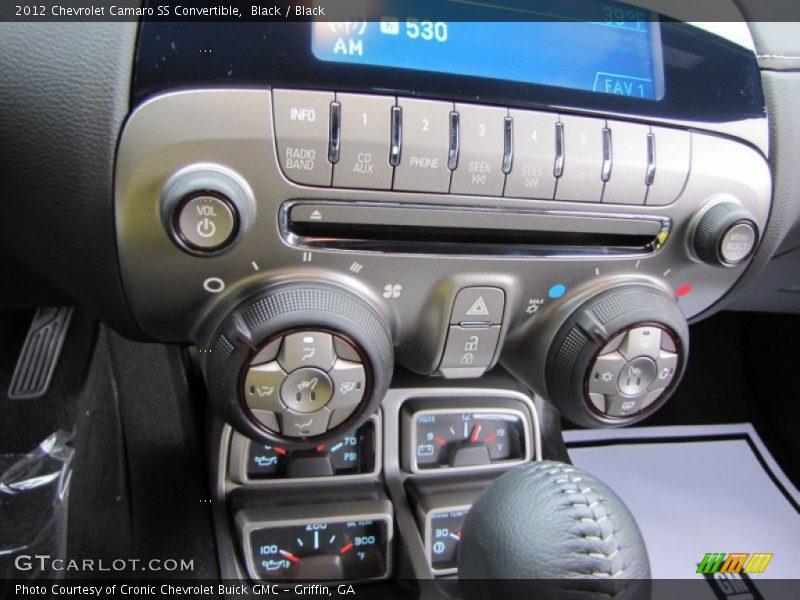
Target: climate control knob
column 725, row 235
column 298, row 363
column 618, row 357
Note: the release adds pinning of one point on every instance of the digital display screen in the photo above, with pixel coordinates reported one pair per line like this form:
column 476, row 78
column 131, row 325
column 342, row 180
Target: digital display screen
column 620, row 53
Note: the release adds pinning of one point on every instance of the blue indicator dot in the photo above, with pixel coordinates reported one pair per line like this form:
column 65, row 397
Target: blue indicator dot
column 557, row 290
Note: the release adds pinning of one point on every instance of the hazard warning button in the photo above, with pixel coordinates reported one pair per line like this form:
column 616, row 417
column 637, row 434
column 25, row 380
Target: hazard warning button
column 478, row 305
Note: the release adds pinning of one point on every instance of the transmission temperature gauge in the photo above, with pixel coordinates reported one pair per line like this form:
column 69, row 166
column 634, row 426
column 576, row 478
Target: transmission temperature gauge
column 465, row 439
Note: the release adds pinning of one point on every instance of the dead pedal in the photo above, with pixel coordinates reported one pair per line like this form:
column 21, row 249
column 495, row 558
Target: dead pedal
column 39, row 357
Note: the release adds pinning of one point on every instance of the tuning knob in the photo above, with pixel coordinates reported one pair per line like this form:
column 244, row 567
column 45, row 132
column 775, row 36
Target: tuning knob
column 618, row 357
column 725, row 235
column 299, row 363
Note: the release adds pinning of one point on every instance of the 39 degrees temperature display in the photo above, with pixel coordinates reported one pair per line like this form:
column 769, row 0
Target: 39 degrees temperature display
column 609, row 56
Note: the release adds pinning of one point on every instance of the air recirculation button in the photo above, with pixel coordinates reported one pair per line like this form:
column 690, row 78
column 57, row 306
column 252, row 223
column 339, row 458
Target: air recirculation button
column 305, row 388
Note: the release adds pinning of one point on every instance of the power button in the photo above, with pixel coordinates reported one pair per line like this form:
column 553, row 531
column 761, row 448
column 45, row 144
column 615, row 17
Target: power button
column 205, row 222
column 206, row 209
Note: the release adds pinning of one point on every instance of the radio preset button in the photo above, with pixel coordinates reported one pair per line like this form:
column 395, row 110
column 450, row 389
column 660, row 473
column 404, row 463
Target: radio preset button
column 534, row 152
column 626, row 185
column 364, row 142
column 672, row 157
column 302, row 133
column 581, row 178
column 481, row 151
column 425, row 146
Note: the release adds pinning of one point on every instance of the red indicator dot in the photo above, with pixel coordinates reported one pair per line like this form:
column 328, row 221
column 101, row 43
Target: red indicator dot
column 684, row 289
column 280, row 451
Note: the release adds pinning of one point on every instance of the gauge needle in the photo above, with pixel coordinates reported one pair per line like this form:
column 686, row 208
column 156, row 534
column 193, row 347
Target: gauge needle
column 456, row 536
column 476, row 432
column 289, row 556
column 346, row 548
column 280, row 451
column 490, row 438
column 440, row 440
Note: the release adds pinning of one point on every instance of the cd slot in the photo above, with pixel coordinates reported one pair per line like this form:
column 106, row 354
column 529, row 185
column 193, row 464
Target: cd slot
column 422, row 229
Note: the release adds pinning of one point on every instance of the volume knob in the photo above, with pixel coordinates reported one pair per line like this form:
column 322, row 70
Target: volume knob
column 206, row 209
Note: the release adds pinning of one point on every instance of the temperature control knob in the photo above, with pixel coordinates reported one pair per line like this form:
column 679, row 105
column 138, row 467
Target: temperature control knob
column 725, row 235
column 298, row 363
column 618, row 357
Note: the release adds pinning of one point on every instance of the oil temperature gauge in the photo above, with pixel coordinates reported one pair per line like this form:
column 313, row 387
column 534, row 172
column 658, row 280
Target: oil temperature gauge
column 345, row 547
column 457, row 439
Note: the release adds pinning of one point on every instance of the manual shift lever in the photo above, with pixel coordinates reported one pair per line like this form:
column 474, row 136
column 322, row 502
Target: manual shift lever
column 558, row 532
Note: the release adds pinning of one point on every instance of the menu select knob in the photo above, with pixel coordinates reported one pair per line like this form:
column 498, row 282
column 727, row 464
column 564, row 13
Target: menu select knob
column 618, row 357
column 298, row 363
column 206, row 209
column 725, row 235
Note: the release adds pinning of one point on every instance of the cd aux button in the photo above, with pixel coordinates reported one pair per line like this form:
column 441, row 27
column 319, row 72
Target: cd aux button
column 581, row 179
column 425, row 146
column 302, row 132
column 480, row 156
column 531, row 173
column 364, row 142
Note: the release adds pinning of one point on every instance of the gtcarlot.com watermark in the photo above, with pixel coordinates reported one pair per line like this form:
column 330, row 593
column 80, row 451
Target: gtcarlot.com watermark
column 44, row 562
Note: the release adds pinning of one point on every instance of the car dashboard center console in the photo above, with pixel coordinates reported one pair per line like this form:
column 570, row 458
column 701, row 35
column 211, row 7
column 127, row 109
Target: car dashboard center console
column 316, row 204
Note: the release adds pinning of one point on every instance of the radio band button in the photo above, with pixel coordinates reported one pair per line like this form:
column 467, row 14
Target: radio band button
column 302, row 130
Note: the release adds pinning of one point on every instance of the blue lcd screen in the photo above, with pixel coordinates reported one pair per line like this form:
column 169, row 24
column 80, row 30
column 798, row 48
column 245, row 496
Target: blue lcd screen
column 611, row 57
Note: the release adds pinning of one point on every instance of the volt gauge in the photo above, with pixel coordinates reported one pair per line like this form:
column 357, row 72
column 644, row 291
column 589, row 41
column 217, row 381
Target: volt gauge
column 465, row 439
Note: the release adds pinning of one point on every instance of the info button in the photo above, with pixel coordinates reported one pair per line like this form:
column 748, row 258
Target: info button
column 302, row 131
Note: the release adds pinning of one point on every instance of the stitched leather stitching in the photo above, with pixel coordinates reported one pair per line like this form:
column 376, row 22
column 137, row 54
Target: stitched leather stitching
column 561, row 478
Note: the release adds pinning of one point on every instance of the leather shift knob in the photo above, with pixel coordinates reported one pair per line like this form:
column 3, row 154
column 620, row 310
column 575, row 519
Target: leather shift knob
column 549, row 530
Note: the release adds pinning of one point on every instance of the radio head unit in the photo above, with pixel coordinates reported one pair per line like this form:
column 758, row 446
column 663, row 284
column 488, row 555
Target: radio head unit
column 442, row 195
